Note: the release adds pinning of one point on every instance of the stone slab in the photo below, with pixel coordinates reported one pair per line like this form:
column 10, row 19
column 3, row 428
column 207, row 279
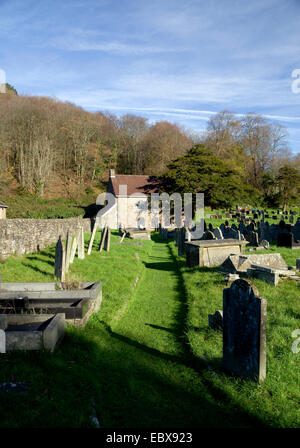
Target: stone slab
column 34, row 332
column 240, row 263
column 212, row 252
column 269, row 277
column 77, row 305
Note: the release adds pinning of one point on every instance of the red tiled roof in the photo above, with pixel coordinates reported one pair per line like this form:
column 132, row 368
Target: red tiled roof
column 135, row 184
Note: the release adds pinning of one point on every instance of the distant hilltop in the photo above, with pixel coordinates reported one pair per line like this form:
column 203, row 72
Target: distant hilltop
column 10, row 90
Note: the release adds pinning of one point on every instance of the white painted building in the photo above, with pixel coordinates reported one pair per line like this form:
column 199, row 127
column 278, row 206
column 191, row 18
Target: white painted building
column 129, row 203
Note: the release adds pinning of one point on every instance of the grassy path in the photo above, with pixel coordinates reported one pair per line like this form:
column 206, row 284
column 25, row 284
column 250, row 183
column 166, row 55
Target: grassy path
column 157, row 380
column 132, row 359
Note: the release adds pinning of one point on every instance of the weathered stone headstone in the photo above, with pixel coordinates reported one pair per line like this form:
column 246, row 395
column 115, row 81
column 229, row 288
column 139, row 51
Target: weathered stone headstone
column 74, row 246
column 103, row 236
column 244, row 331
column 240, row 263
column 60, row 260
column 188, row 234
column 92, row 237
column 3, row 322
column 2, row 341
column 81, row 244
column 68, row 251
column 107, row 240
column 265, row 244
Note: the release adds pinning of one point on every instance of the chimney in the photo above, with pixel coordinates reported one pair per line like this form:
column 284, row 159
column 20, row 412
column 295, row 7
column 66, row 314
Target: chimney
column 112, row 173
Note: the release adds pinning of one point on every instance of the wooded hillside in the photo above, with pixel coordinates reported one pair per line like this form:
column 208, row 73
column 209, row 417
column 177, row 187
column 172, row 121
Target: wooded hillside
column 51, row 149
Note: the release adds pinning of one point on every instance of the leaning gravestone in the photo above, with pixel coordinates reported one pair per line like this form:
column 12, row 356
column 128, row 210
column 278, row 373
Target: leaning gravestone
column 103, row 236
column 244, row 331
column 68, row 250
column 60, row 260
column 107, row 240
column 80, row 244
column 74, row 246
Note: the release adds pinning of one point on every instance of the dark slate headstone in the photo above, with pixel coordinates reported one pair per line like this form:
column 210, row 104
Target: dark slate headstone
column 218, row 233
column 208, row 235
column 181, row 241
column 285, row 239
column 244, row 331
column 252, row 237
column 59, row 267
column 229, row 233
column 296, row 230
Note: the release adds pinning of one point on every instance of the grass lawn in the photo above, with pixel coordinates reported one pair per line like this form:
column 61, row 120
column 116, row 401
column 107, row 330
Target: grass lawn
column 29, row 206
column 147, row 358
column 277, row 401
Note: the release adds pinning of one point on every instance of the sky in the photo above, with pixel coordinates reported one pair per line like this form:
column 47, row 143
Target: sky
column 176, row 60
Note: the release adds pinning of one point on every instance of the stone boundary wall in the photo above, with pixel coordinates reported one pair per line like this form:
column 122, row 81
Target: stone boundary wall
column 23, row 236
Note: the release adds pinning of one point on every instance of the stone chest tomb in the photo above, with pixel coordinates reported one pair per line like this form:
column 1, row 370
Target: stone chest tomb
column 50, row 298
column 212, row 252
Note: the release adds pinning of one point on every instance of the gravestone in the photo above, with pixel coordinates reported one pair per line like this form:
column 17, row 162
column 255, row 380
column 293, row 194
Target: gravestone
column 251, row 237
column 230, row 233
column 60, row 260
column 208, row 235
column 103, row 236
column 81, row 244
column 181, row 241
column 189, row 236
column 215, row 321
column 244, row 331
column 286, row 239
column 74, row 246
column 107, row 240
column 2, row 341
column 296, row 230
column 218, row 233
column 68, row 251
column 96, row 223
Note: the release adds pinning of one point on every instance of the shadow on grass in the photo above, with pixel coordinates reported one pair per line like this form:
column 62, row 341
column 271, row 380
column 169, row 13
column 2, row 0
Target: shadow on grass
column 125, row 381
column 182, row 330
column 132, row 384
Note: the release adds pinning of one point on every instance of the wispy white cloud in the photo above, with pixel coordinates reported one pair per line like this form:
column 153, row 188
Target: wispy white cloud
column 115, row 47
column 177, row 60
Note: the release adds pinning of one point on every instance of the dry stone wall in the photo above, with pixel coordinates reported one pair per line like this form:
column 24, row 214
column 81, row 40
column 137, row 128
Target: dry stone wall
column 22, row 236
